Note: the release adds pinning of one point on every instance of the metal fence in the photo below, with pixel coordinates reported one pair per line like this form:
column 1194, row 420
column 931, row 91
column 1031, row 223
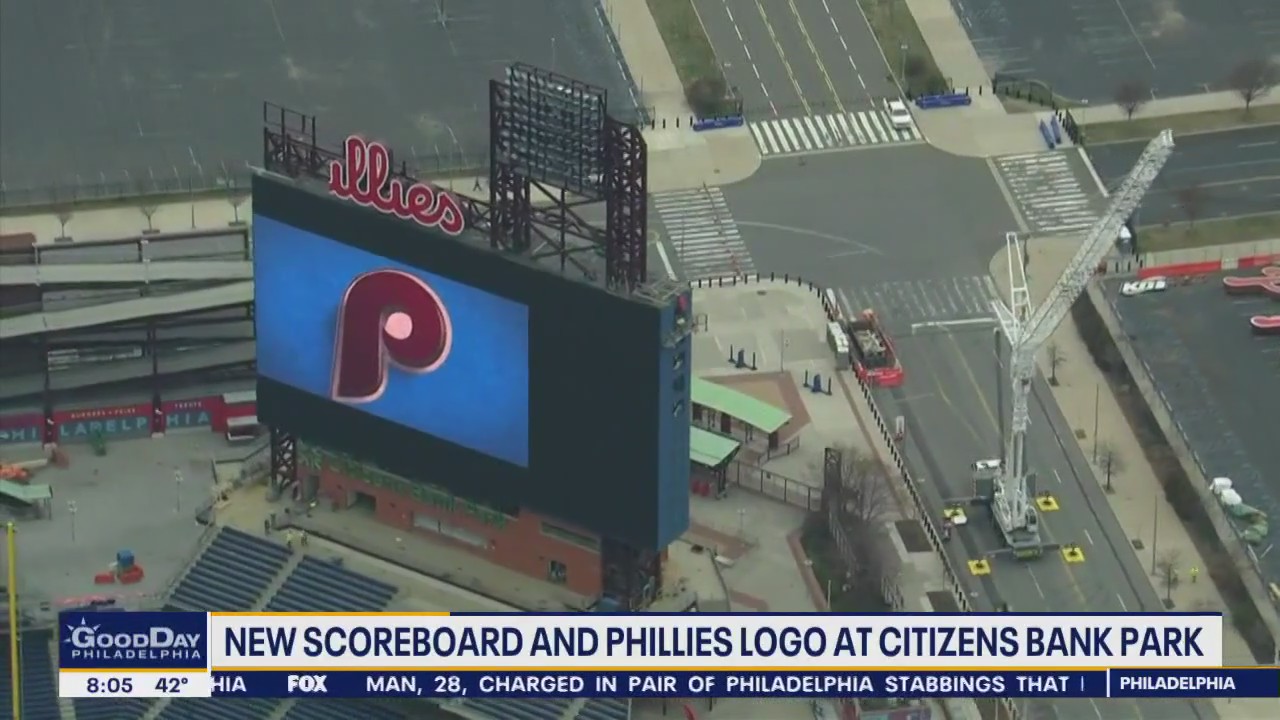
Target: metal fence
column 127, row 188
column 770, row 484
column 123, row 189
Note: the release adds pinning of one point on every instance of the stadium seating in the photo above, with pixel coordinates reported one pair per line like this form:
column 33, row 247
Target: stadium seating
column 112, row 708
column 605, row 709
column 340, row 710
column 218, row 709
column 230, row 575
column 318, row 586
column 500, row 709
column 40, row 701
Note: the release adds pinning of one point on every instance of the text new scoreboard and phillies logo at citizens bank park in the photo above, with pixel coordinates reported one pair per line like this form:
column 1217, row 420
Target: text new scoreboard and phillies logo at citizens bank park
column 442, row 656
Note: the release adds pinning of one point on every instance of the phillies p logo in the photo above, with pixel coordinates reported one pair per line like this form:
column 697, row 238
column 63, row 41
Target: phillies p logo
column 387, row 318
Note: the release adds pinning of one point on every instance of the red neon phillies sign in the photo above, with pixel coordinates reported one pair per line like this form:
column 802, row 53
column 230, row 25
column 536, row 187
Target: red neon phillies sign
column 1266, row 283
column 362, row 177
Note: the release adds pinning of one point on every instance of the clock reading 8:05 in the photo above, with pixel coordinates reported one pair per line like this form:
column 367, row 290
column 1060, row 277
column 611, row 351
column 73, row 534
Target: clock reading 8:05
column 110, row 685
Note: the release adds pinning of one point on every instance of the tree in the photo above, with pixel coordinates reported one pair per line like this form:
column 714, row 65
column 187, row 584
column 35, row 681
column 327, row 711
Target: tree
column 1254, row 77
column 1055, row 358
column 1131, row 95
column 1110, row 462
column 1191, row 200
column 64, row 215
column 707, row 96
column 866, row 498
column 1166, row 571
column 858, row 500
column 149, row 211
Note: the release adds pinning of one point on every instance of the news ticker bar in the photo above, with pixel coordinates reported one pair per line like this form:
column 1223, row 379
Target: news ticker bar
column 1177, row 683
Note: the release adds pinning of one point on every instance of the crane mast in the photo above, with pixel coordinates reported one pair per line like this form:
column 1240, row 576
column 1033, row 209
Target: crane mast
column 1027, row 328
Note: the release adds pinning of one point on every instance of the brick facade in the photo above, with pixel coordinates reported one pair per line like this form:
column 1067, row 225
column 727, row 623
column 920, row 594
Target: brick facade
column 527, row 543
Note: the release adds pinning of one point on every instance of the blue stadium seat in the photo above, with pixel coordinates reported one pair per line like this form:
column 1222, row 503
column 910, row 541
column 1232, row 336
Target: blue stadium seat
column 112, row 708
column 218, row 709
column 605, row 709
column 317, row 586
column 40, row 694
column 231, row 574
column 340, row 710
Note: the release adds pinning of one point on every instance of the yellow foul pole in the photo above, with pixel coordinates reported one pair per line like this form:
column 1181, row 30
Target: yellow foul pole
column 15, row 675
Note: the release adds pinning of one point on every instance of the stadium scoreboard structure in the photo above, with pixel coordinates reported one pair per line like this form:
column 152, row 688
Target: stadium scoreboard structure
column 440, row 360
column 552, row 130
column 389, row 332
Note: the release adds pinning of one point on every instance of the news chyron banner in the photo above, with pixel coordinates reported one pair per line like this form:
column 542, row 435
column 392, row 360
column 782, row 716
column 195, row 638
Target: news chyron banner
column 689, row 655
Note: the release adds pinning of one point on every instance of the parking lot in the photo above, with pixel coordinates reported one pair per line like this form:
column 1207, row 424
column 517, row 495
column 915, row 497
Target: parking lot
column 1211, row 175
column 1220, row 381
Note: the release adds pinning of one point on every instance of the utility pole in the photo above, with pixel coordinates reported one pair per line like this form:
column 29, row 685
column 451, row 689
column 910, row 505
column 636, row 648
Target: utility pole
column 1155, row 529
column 1097, row 395
column 177, row 491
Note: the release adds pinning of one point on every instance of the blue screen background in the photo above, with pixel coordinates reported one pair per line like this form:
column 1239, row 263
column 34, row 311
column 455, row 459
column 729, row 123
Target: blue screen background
column 479, row 398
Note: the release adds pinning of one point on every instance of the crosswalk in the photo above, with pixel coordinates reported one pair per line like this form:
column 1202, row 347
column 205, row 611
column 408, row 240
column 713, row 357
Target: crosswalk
column 834, row 131
column 1049, row 190
column 916, row 305
column 702, row 233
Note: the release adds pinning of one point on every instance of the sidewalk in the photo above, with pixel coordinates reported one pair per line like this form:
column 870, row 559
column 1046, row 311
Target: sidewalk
column 986, row 128
column 1206, row 102
column 1139, row 500
column 679, row 158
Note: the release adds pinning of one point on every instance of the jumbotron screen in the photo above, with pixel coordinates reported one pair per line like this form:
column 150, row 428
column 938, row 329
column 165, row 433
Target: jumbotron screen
column 430, row 355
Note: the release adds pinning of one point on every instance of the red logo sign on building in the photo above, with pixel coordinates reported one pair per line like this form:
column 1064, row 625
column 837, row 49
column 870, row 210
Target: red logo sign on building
column 364, row 176
column 1266, row 283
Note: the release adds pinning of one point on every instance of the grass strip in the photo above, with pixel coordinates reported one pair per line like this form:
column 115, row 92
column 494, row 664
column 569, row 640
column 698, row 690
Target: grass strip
column 701, row 76
column 1208, row 233
column 1145, row 128
column 910, row 61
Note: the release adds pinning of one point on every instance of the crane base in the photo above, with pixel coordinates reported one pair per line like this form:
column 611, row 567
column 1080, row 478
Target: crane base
column 1023, row 543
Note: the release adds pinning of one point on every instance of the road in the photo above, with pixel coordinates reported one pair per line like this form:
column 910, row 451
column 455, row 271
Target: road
column 951, row 407
column 1084, row 49
column 797, row 57
column 811, row 75
column 1226, row 173
column 922, row 256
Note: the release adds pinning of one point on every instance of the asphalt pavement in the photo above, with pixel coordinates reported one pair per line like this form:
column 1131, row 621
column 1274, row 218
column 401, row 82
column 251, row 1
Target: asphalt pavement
column 951, row 408
column 893, row 213
column 913, row 238
column 797, row 57
column 1218, row 380
column 1085, row 49
column 1220, row 174
column 146, row 93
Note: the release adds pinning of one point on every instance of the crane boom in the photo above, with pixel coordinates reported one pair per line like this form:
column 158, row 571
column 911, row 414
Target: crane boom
column 1027, row 329
column 1101, row 238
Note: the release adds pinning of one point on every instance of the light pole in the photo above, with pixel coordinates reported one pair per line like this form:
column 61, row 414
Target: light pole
column 902, row 66
column 1097, row 395
column 71, row 509
column 177, row 491
column 1155, row 529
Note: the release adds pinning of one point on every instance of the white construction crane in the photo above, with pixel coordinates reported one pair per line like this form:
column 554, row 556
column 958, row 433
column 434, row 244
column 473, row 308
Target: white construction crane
column 1027, row 329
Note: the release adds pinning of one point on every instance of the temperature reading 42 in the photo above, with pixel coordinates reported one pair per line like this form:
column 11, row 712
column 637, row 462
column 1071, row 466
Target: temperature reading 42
column 171, row 685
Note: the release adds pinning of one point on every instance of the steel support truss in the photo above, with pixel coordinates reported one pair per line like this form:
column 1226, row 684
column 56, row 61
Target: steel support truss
column 632, row 577
column 284, row 459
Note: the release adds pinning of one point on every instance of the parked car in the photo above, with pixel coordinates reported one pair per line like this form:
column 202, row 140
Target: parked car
column 899, row 115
